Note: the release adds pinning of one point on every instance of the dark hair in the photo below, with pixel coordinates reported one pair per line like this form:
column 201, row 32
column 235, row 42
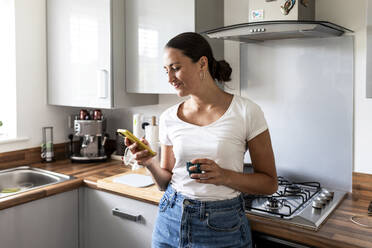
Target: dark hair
column 194, row 46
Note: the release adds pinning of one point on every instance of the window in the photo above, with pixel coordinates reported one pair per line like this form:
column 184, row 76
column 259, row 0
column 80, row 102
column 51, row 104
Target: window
column 7, row 71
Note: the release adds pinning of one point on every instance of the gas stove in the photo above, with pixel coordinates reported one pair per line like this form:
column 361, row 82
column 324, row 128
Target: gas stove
column 304, row 204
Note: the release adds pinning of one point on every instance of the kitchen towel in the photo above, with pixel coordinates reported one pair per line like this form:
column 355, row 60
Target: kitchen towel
column 152, row 134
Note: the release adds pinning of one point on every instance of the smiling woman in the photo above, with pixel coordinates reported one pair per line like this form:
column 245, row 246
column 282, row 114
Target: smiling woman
column 210, row 131
column 7, row 70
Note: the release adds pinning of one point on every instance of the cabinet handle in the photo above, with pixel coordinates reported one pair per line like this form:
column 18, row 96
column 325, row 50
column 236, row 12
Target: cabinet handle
column 102, row 83
column 126, row 215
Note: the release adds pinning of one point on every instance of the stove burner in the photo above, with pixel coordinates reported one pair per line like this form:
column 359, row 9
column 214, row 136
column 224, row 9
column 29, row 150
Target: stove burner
column 283, row 181
column 289, row 200
column 273, row 204
column 292, row 190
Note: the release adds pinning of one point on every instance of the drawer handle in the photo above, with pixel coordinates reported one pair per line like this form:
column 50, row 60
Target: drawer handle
column 126, row 215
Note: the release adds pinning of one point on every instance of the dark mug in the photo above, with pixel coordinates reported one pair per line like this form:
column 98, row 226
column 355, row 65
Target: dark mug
column 189, row 164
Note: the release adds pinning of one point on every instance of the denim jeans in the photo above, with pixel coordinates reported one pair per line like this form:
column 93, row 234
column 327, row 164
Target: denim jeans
column 187, row 223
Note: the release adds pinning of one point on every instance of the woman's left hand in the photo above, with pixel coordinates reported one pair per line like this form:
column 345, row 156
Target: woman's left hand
column 212, row 172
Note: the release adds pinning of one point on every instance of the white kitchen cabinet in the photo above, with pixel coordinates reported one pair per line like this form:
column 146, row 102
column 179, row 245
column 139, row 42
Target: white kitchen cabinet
column 86, row 55
column 48, row 222
column 99, row 227
column 150, row 24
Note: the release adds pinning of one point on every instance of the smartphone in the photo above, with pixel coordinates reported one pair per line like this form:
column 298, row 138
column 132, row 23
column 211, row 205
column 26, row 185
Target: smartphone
column 134, row 139
column 370, row 209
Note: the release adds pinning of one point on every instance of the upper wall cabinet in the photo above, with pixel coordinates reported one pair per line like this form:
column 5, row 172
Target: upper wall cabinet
column 86, row 55
column 150, row 24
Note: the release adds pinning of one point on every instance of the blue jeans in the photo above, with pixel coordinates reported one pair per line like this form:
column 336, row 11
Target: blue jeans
column 187, row 223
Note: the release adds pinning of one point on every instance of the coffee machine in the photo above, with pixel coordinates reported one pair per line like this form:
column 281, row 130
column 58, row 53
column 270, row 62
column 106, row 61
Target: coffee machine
column 92, row 139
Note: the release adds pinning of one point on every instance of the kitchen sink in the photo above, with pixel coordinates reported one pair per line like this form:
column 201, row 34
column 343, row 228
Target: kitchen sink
column 25, row 178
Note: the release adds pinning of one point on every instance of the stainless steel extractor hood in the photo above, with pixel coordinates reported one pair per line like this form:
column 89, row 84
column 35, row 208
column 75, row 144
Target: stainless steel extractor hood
column 276, row 30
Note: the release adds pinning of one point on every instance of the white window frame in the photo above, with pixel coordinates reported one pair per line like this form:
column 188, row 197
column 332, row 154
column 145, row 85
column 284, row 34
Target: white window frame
column 8, row 100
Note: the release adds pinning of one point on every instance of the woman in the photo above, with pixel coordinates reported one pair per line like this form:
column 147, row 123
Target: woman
column 211, row 128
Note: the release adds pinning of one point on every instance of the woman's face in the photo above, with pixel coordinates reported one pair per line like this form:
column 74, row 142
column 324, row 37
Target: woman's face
column 183, row 74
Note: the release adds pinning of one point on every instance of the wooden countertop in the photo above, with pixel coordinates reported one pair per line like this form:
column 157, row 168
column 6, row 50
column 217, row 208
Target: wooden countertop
column 337, row 231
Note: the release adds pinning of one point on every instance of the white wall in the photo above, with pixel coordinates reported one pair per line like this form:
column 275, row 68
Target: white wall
column 122, row 118
column 352, row 15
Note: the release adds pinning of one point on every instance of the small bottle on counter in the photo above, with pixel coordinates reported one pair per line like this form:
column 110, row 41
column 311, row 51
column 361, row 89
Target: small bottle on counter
column 47, row 153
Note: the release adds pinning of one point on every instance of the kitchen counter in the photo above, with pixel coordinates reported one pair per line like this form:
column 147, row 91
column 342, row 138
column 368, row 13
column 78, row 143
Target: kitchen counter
column 338, row 230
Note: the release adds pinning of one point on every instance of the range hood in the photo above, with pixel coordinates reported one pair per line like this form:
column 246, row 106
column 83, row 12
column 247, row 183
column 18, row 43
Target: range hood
column 276, row 30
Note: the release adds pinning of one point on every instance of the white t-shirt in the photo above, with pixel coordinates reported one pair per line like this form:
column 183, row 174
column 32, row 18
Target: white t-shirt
column 223, row 141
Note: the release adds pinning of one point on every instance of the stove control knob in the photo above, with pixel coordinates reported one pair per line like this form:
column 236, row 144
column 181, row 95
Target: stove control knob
column 317, row 204
column 328, row 194
column 321, row 199
column 325, row 196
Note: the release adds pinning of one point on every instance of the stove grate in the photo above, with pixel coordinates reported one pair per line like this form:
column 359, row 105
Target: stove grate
column 288, row 191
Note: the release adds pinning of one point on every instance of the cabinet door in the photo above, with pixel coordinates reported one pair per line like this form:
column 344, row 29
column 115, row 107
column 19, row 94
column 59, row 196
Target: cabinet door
column 149, row 26
column 44, row 223
column 100, row 228
column 79, row 53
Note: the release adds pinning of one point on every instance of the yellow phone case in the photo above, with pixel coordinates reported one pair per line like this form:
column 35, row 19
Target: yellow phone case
column 134, row 139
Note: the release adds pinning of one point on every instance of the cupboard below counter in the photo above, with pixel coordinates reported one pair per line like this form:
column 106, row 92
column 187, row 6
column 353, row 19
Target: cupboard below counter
column 43, row 223
column 109, row 220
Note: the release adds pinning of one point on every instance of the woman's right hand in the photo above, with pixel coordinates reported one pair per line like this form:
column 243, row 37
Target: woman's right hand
column 143, row 157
